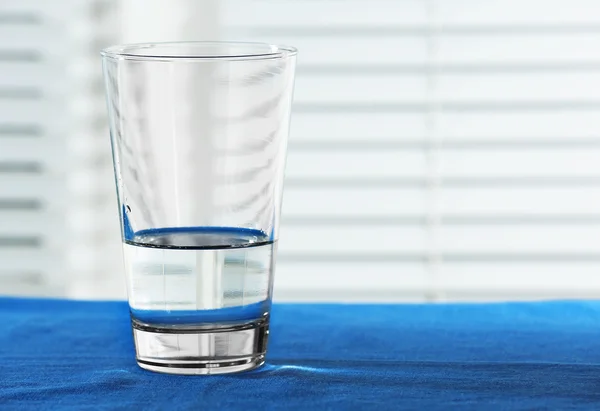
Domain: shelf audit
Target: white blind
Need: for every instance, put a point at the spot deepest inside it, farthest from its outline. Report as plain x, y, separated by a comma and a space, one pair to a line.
58, 221
94, 253
439, 149
33, 45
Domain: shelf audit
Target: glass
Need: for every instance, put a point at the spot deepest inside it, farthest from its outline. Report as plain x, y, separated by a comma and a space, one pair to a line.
199, 135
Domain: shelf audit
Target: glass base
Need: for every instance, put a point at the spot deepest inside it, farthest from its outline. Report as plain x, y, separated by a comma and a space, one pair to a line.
207, 349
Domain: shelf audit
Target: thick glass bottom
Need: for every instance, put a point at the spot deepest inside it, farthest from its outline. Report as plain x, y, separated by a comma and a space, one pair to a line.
206, 349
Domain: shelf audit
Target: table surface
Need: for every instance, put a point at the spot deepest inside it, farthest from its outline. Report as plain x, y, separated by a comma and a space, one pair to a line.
59, 354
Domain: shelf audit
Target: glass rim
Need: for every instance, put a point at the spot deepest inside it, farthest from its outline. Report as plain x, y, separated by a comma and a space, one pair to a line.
148, 51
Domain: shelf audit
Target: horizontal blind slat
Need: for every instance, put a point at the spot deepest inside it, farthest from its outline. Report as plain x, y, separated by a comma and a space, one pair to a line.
510, 12
539, 200
242, 13
551, 277
338, 127
344, 202
352, 164
360, 88
506, 48
401, 278
350, 240
541, 162
538, 125
519, 240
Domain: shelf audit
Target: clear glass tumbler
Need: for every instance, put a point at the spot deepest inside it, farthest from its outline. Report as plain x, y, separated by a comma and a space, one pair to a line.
199, 135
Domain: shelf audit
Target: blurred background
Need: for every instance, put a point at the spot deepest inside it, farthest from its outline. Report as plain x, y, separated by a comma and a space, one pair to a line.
440, 150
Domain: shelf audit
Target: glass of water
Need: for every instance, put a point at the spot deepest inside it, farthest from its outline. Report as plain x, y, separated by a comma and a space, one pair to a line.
199, 134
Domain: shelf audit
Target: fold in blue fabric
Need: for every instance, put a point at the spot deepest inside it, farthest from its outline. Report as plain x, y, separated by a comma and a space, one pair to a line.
66, 355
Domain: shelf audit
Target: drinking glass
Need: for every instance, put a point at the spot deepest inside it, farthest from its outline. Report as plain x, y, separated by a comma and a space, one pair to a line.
199, 135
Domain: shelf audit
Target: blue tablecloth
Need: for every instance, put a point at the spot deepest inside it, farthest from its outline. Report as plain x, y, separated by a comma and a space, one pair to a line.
79, 355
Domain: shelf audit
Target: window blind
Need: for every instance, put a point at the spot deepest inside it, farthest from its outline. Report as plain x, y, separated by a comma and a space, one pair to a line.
93, 253
439, 150
57, 216
32, 175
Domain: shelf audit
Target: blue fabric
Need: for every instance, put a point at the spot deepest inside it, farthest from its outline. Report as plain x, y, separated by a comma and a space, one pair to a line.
63, 355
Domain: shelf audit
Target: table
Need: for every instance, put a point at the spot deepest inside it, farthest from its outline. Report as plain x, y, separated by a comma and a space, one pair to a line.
59, 354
